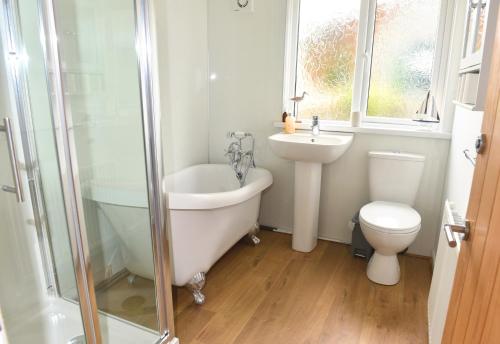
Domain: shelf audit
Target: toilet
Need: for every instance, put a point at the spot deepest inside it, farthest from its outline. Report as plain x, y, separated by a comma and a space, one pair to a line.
389, 223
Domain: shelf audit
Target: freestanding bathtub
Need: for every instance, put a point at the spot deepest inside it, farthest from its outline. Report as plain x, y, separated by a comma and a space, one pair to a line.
208, 213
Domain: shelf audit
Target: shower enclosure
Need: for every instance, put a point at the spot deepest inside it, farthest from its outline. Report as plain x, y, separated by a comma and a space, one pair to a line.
79, 150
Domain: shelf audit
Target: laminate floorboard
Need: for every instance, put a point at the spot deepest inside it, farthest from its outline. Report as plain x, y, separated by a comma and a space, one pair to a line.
271, 294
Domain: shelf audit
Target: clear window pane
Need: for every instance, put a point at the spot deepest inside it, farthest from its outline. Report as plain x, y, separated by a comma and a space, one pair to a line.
403, 55
326, 57
481, 6
97, 49
471, 24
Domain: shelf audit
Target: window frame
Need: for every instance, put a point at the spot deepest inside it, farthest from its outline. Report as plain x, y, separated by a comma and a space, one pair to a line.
362, 70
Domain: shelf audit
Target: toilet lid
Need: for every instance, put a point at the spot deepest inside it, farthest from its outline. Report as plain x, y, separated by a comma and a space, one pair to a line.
390, 217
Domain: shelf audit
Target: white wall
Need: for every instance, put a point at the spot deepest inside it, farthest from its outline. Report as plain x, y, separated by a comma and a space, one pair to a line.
181, 38
460, 171
246, 59
466, 128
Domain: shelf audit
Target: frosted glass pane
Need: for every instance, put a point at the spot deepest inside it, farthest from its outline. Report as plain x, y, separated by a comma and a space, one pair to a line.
403, 54
326, 57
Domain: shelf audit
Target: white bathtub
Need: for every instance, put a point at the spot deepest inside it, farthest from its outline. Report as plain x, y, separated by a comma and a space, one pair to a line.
125, 207
209, 213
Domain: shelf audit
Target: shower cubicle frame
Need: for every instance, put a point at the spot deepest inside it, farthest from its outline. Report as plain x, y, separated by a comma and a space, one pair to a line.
68, 166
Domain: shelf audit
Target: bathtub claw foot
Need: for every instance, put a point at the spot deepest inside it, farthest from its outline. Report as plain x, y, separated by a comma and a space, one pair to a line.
195, 285
131, 279
198, 296
253, 239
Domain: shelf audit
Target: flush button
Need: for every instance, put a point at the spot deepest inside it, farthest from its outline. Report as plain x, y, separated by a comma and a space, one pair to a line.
243, 5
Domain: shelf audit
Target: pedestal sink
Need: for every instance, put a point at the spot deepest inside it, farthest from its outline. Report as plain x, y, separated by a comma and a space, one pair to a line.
309, 153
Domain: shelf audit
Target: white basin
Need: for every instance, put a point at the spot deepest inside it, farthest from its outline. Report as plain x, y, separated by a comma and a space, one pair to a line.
323, 148
309, 153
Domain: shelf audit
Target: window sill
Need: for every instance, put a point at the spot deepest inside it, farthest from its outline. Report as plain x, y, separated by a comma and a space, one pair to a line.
378, 129
470, 107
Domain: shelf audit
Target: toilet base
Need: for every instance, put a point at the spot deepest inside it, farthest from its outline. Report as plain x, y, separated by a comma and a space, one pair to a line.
383, 269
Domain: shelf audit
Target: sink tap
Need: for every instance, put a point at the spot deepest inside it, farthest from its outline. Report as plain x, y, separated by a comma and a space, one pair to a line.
315, 126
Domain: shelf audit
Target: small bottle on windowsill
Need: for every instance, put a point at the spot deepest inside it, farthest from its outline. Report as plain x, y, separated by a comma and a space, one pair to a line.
355, 118
290, 124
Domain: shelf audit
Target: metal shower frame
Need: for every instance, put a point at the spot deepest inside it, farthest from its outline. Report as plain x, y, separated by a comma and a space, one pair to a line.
68, 166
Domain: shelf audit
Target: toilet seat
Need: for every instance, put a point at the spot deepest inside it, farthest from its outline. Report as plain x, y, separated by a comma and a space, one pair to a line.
390, 217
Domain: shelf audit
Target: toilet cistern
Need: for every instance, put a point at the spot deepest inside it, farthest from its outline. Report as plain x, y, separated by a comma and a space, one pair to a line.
309, 153
389, 223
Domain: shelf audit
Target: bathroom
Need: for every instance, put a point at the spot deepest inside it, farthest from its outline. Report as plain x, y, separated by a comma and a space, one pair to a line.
154, 191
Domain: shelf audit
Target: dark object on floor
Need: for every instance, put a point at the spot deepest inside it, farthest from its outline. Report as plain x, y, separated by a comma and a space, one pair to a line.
360, 246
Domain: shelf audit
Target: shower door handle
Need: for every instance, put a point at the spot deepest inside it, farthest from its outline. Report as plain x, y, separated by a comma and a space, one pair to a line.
17, 188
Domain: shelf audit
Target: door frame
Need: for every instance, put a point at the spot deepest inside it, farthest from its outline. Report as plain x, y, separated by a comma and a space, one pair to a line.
463, 300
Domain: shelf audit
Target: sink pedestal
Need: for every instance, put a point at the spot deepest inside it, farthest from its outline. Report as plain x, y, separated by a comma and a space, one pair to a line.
309, 153
306, 205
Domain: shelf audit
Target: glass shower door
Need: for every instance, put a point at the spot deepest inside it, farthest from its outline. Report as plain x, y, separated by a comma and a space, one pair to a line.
31, 313
101, 120
31, 310
84, 133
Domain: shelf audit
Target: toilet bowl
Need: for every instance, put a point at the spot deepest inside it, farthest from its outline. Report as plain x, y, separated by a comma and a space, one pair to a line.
390, 228
389, 223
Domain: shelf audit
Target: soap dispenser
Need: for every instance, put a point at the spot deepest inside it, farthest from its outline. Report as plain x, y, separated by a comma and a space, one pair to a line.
290, 124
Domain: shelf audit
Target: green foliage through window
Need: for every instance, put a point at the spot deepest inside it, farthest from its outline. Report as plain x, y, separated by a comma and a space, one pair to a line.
401, 63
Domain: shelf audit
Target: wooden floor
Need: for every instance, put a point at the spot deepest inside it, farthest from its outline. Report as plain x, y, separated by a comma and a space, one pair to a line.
271, 294
132, 302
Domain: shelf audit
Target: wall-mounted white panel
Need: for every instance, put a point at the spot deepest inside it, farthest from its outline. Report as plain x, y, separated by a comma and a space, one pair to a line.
181, 39
466, 128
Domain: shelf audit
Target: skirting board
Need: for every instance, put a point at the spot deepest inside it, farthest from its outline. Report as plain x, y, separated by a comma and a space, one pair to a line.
285, 231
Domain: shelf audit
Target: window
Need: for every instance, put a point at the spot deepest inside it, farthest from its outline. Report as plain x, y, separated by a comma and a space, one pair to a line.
373, 56
325, 57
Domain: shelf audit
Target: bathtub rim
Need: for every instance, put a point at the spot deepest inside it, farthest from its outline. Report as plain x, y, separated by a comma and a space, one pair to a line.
133, 197
214, 200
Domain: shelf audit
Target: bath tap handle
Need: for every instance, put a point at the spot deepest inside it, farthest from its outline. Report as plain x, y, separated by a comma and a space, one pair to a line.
238, 134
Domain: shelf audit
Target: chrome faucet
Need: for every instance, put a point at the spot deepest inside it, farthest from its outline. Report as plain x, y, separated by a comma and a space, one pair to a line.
315, 126
240, 160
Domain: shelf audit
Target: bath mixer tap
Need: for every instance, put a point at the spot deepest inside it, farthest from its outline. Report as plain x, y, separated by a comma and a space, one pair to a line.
315, 126
240, 160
